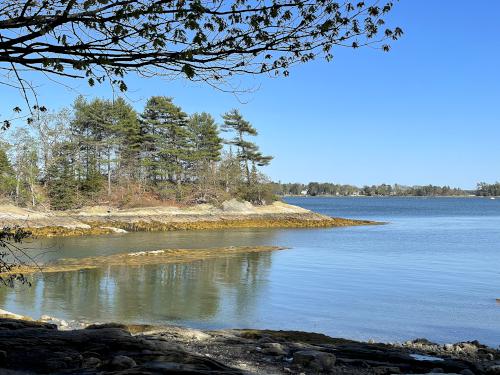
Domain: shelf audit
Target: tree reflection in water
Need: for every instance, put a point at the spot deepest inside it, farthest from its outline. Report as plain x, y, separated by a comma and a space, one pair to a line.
202, 292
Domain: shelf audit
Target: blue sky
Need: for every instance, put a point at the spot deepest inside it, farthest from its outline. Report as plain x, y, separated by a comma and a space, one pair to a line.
427, 112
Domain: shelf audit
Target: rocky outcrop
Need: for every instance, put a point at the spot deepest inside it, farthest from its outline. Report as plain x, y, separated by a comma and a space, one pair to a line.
39, 348
142, 258
28, 347
232, 214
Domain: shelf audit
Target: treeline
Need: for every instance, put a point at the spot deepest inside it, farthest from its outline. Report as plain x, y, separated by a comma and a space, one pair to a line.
488, 190
316, 188
103, 151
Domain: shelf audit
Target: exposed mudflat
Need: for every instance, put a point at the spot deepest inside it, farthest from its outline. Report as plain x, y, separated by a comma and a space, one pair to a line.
232, 214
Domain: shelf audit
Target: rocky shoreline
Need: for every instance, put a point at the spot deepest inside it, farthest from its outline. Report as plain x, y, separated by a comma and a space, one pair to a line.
42, 347
105, 220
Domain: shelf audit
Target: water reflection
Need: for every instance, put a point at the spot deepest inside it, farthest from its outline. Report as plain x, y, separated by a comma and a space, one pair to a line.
432, 272
79, 247
155, 293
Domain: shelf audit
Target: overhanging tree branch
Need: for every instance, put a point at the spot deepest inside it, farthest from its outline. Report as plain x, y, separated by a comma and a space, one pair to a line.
209, 41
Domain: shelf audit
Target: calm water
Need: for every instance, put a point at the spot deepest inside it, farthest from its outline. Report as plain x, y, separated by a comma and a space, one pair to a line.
433, 271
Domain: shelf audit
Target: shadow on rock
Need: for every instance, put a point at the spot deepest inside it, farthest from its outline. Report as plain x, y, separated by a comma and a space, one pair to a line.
32, 347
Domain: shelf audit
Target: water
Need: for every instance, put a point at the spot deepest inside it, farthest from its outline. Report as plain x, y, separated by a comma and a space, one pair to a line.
433, 271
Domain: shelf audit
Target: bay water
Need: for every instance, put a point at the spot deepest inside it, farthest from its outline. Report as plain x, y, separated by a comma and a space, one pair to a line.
433, 270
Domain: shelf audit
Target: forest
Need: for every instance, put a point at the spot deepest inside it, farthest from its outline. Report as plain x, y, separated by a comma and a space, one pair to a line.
488, 190
103, 151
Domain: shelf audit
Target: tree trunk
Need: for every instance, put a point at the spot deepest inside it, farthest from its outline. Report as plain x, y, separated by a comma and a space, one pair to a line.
18, 182
109, 180
247, 169
32, 195
109, 173
243, 153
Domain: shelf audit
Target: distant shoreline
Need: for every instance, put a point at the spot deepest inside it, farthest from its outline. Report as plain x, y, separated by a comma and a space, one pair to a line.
389, 196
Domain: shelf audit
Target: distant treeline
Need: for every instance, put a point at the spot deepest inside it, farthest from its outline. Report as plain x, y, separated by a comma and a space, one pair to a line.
326, 188
488, 190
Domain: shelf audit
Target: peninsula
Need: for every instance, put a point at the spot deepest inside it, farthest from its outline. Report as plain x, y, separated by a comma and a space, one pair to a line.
104, 220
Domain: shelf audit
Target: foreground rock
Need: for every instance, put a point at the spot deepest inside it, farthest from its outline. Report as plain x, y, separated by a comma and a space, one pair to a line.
28, 347
232, 214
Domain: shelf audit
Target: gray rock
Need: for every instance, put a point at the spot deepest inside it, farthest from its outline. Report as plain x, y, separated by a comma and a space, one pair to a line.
55, 364
167, 366
489, 356
107, 325
122, 362
468, 347
274, 348
466, 372
91, 362
115, 230
493, 370
386, 370
266, 339
234, 205
314, 359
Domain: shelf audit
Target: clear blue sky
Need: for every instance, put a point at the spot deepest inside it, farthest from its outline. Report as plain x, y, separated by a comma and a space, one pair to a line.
427, 112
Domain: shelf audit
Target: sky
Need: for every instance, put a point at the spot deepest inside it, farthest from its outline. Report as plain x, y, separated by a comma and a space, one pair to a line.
428, 112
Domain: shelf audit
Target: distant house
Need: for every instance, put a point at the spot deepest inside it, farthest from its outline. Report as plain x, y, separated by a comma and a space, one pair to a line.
303, 192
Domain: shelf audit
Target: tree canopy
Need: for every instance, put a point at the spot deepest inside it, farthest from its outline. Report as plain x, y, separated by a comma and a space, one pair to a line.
104, 152
103, 40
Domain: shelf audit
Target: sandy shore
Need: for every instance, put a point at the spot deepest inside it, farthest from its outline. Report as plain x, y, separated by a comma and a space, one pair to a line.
232, 214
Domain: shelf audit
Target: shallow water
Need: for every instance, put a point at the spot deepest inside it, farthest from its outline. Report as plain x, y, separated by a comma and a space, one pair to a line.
433, 271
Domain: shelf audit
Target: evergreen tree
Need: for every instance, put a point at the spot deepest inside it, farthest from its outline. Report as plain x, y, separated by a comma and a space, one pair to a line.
62, 187
128, 132
92, 131
7, 175
205, 135
207, 146
161, 154
248, 152
166, 139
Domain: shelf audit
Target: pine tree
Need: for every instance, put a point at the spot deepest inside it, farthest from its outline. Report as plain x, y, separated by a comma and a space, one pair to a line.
248, 152
205, 137
166, 139
7, 175
207, 146
162, 153
128, 133
92, 130
62, 187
